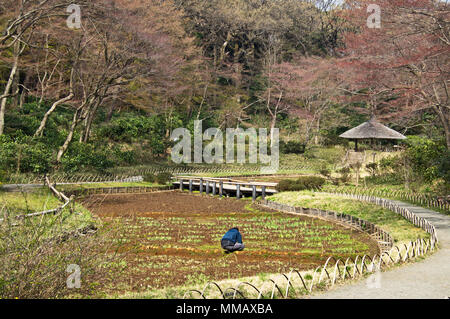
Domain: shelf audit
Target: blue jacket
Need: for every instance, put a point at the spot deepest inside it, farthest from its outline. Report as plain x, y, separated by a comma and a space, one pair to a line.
233, 235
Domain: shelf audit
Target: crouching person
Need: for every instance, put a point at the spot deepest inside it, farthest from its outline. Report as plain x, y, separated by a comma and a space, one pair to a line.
232, 240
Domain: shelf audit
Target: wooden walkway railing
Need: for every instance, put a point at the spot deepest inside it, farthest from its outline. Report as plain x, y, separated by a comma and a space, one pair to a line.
221, 186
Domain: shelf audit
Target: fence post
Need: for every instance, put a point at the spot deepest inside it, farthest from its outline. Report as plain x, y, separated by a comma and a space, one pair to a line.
263, 192
214, 188
190, 186
221, 188
201, 185
254, 193
238, 191
207, 187
181, 184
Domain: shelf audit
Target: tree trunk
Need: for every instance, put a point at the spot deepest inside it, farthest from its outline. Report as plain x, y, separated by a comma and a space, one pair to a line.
41, 128
89, 120
357, 177
316, 138
447, 137
237, 52
22, 99
272, 127
110, 112
75, 121
8, 86
443, 118
16, 89
214, 77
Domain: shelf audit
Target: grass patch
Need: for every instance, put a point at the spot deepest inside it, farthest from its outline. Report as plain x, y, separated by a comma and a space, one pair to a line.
400, 229
39, 200
35, 252
387, 191
16, 203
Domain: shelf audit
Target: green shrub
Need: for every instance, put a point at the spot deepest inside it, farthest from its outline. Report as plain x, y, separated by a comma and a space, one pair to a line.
312, 182
372, 168
388, 178
302, 183
424, 160
429, 158
24, 155
345, 174
86, 156
292, 147
3, 176
298, 185
325, 171
163, 178
444, 167
285, 185
149, 178
124, 158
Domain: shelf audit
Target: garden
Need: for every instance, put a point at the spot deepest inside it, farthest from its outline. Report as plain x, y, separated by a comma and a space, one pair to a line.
172, 239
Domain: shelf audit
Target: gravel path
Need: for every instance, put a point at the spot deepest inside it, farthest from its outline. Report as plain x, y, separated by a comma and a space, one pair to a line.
429, 278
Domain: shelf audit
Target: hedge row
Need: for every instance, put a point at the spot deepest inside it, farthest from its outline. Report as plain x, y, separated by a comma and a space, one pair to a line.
302, 183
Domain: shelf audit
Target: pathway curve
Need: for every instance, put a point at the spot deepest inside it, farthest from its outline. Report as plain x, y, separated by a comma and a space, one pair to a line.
429, 278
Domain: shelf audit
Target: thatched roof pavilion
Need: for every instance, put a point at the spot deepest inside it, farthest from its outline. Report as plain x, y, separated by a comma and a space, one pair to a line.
371, 129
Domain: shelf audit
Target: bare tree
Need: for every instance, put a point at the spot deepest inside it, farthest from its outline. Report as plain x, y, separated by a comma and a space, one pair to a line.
96, 78
18, 49
55, 104
23, 16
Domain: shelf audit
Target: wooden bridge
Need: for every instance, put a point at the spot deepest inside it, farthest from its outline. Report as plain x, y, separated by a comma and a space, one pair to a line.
225, 186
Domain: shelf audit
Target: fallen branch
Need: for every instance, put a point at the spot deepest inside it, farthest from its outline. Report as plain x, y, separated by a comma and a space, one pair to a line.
66, 201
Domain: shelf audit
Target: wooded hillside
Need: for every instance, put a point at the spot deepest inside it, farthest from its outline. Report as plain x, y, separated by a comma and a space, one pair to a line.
110, 92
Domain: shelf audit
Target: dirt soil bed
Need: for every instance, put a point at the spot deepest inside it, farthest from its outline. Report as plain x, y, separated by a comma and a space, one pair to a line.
173, 238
